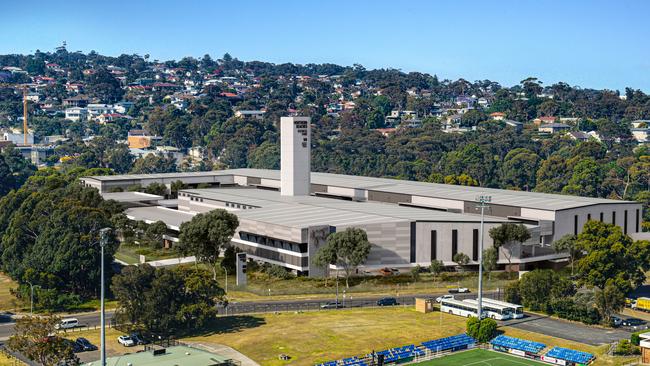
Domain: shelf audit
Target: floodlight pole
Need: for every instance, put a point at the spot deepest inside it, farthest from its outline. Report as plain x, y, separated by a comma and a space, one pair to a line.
483, 201
103, 240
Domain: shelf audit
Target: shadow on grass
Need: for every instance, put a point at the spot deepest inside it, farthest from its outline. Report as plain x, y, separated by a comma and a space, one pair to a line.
228, 324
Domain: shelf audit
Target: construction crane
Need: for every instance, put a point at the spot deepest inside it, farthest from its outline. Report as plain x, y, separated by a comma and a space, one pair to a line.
25, 89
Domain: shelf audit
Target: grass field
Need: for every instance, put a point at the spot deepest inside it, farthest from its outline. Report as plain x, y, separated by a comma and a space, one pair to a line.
480, 357
6, 361
7, 300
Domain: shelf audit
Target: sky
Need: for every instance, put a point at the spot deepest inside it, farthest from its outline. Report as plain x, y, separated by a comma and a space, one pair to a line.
591, 44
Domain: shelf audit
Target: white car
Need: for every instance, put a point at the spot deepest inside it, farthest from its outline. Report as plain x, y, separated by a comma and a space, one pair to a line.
67, 323
444, 297
126, 341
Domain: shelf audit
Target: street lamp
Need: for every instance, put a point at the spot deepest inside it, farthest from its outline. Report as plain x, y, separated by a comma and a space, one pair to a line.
103, 240
31, 297
483, 201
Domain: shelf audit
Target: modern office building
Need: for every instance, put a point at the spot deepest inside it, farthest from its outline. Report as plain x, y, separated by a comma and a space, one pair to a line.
285, 216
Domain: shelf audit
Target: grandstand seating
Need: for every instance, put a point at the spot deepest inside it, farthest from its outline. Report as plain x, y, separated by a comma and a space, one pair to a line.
570, 355
453, 343
518, 344
398, 354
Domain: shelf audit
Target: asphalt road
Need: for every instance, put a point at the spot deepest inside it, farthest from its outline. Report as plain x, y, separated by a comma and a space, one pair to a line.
568, 330
85, 319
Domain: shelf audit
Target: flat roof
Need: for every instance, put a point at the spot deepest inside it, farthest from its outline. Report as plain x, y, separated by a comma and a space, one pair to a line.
534, 200
305, 211
130, 196
172, 218
174, 356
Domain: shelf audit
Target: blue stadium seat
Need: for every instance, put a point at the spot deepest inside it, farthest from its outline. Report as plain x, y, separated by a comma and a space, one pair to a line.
453, 343
518, 344
570, 355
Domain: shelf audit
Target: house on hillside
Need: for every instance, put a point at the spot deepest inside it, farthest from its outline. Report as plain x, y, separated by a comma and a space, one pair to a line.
498, 116
251, 114
553, 128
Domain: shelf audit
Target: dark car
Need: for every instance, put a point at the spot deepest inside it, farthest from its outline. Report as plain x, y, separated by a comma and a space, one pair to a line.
387, 301
85, 344
138, 339
632, 322
5, 318
74, 345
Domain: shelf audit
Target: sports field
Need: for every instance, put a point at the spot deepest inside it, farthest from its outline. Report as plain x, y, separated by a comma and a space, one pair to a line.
480, 357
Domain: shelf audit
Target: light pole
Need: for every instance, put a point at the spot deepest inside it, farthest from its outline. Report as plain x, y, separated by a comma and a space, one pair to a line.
31, 298
482, 200
103, 240
226, 271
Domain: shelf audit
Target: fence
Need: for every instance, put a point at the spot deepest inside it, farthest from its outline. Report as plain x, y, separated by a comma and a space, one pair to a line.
318, 305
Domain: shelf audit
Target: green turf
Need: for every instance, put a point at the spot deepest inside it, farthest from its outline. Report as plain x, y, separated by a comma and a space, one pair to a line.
480, 357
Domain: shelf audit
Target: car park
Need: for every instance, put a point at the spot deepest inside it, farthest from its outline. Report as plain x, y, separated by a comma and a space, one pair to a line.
126, 341
85, 345
387, 301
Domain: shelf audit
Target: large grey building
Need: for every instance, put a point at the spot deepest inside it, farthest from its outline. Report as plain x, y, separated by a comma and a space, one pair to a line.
285, 217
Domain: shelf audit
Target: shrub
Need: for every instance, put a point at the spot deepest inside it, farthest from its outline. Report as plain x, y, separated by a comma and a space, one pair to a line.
567, 308
415, 273
512, 294
278, 272
626, 348
635, 339
483, 331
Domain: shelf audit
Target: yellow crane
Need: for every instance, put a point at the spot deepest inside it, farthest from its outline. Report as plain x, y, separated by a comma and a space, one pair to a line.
25, 89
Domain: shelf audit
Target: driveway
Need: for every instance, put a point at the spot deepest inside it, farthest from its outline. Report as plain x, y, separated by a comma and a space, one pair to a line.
572, 331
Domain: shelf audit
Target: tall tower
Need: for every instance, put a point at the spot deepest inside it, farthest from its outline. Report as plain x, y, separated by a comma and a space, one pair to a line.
295, 156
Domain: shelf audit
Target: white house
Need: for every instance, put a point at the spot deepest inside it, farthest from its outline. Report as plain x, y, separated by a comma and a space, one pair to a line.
76, 114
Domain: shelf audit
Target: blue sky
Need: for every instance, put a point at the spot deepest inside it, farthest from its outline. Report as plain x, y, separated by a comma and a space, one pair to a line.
595, 44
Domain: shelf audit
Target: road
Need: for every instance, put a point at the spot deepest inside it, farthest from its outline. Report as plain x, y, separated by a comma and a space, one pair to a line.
572, 331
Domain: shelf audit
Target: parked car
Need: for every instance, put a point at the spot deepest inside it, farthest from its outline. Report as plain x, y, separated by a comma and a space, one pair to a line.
632, 322
67, 323
459, 290
332, 305
444, 297
85, 344
616, 321
387, 301
386, 272
138, 339
76, 348
6, 317
126, 341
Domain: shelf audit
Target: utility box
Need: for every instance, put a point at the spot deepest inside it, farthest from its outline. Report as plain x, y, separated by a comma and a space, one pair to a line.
241, 269
424, 305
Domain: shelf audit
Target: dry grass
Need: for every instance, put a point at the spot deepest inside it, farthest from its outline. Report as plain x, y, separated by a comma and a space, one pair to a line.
313, 337
7, 300
7, 361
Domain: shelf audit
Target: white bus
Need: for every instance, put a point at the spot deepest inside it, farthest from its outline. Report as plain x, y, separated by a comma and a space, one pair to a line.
470, 308
493, 311
517, 311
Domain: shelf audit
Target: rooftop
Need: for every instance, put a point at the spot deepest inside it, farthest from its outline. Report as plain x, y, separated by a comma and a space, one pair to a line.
173, 356
535, 200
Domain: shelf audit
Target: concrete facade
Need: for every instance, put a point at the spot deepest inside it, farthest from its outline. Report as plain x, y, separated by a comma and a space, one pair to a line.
295, 155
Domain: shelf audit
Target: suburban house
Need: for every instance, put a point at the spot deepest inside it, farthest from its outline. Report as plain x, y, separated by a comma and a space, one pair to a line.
553, 128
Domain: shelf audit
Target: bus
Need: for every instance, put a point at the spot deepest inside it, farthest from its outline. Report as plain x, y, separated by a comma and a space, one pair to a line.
470, 308
517, 311
493, 311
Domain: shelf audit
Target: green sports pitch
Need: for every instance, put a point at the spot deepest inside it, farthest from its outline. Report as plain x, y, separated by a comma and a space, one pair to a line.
480, 357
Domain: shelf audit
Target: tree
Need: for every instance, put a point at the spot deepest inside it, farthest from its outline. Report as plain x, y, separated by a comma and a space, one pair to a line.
436, 267
461, 259
166, 301
347, 249
538, 288
120, 159
490, 258
482, 330
609, 300
206, 235
229, 261
567, 244
415, 273
505, 235
153, 163
154, 233
105, 87
612, 256
14, 170
32, 337
519, 168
